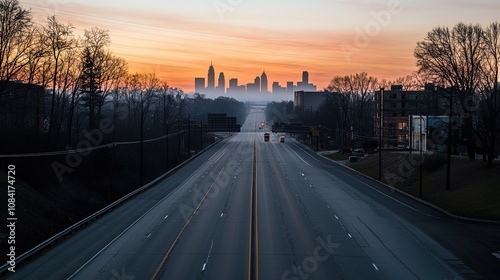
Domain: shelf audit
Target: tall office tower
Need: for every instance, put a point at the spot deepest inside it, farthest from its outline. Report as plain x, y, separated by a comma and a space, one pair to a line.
257, 84
211, 77
305, 78
221, 85
263, 82
199, 84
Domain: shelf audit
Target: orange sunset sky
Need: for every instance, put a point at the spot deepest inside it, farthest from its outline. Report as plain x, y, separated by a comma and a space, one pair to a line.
177, 39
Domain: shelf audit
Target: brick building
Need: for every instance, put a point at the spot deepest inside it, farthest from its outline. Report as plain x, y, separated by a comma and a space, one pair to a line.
397, 107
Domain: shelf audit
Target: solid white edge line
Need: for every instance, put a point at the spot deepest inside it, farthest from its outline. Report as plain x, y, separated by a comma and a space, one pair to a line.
402, 203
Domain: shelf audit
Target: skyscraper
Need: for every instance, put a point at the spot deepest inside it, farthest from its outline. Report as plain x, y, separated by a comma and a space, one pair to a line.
263, 82
257, 85
211, 77
221, 85
305, 77
304, 84
199, 85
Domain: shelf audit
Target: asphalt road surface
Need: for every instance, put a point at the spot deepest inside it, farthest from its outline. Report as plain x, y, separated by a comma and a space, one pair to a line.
249, 209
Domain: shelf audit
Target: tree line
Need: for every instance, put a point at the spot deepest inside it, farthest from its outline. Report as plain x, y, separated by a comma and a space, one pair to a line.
463, 60
86, 83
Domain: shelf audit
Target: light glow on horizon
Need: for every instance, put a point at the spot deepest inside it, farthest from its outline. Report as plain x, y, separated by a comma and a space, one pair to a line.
178, 39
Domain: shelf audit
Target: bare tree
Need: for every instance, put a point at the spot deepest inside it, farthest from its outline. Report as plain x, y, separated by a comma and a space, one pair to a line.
408, 82
35, 56
114, 69
57, 38
74, 72
16, 33
356, 93
490, 109
455, 57
168, 105
365, 87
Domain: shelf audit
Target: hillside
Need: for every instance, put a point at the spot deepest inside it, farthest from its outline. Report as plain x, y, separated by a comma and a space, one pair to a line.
475, 188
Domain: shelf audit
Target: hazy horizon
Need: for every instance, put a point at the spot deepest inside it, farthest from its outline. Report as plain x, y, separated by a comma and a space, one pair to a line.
178, 40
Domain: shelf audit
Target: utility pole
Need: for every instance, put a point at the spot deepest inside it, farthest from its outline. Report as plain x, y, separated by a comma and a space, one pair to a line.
201, 135
411, 132
317, 130
141, 151
381, 96
448, 157
168, 140
189, 135
421, 158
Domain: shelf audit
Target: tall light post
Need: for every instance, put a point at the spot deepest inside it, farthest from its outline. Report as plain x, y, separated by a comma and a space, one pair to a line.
141, 156
381, 96
317, 130
189, 136
351, 110
448, 154
421, 158
201, 135
168, 140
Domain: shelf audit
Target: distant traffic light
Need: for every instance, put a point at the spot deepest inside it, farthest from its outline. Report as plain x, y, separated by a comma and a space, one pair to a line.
262, 124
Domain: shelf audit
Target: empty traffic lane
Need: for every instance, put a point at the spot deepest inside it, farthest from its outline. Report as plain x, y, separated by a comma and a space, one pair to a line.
312, 207
251, 209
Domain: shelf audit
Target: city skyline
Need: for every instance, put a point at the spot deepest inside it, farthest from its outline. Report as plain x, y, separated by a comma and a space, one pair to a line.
260, 85
327, 37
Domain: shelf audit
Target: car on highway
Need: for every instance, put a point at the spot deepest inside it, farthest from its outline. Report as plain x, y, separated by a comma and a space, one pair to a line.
282, 139
266, 137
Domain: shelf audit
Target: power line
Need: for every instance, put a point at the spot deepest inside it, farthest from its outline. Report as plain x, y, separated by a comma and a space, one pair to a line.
85, 150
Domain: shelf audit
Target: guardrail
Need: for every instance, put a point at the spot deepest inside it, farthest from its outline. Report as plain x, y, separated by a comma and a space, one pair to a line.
76, 226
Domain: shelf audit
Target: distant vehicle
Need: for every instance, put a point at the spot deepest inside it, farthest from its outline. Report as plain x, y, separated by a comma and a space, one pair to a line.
266, 137
282, 139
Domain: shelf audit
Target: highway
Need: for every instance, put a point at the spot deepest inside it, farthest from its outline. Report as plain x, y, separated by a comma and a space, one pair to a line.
249, 209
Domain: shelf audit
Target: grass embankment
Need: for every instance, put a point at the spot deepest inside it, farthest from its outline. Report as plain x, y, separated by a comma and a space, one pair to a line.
475, 188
